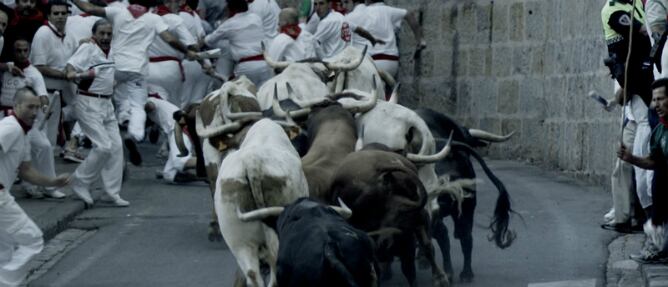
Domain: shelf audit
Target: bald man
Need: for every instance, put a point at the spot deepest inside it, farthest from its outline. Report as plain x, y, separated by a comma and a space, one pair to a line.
20, 238
293, 43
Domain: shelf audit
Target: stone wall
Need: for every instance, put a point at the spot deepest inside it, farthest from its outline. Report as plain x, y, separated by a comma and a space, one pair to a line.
518, 65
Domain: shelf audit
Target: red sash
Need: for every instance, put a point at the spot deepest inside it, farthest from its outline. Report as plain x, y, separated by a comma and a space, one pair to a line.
169, 58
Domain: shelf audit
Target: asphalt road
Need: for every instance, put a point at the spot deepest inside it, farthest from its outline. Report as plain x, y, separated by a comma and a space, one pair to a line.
161, 239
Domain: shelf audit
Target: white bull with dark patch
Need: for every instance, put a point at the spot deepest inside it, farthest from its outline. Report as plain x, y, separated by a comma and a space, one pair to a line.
265, 171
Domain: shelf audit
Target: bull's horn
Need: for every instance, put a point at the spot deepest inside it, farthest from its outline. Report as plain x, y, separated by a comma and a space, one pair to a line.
387, 78
342, 210
259, 214
487, 136
394, 98
205, 132
273, 64
417, 158
363, 106
385, 231
305, 110
241, 115
178, 138
346, 66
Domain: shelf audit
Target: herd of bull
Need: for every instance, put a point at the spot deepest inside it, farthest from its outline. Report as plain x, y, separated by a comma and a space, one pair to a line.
317, 160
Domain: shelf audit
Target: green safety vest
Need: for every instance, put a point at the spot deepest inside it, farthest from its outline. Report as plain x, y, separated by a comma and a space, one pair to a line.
611, 36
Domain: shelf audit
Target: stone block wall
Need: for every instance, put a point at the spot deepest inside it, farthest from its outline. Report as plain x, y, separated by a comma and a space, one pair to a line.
517, 65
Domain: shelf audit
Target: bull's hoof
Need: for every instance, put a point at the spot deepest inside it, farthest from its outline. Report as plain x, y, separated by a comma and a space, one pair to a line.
214, 234
466, 276
441, 281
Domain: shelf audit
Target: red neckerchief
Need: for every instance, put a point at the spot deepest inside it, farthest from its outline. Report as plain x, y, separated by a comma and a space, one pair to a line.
105, 51
337, 6
664, 121
23, 125
60, 35
23, 65
137, 10
187, 9
162, 10
155, 96
85, 15
291, 30
37, 17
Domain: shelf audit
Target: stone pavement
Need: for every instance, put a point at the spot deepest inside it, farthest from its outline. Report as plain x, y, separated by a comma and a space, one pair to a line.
54, 215
624, 272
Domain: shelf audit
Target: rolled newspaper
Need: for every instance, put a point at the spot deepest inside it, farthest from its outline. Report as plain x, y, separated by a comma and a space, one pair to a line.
209, 54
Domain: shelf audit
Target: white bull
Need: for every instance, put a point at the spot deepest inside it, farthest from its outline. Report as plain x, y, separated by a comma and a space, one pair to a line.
264, 172
307, 80
360, 78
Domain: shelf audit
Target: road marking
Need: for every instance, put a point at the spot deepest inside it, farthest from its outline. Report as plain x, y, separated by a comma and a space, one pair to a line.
571, 283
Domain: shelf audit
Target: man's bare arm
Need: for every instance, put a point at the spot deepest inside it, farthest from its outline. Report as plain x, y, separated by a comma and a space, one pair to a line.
51, 72
30, 174
416, 28
90, 8
366, 35
176, 44
648, 162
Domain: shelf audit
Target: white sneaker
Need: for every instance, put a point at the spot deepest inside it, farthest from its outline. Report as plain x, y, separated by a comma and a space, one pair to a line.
121, 202
81, 192
54, 193
610, 216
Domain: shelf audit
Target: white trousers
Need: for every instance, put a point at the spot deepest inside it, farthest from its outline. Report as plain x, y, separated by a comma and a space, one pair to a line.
130, 95
165, 79
175, 163
388, 66
20, 240
256, 71
622, 179
41, 150
196, 85
98, 123
641, 148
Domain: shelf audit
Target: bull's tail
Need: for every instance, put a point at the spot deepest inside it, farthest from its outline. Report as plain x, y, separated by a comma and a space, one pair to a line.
254, 178
415, 179
332, 260
501, 235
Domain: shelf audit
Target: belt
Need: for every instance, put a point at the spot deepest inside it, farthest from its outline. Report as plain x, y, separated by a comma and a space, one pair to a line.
385, 57
93, 95
169, 58
259, 57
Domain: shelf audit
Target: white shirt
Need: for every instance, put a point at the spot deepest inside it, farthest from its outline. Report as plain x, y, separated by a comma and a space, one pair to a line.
80, 27
332, 35
359, 18
90, 56
193, 23
163, 114
10, 84
284, 48
49, 49
14, 150
176, 26
132, 37
244, 31
384, 20
268, 11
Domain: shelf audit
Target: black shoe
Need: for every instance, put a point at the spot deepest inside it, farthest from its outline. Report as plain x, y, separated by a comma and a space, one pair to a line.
619, 227
185, 177
153, 135
135, 157
650, 257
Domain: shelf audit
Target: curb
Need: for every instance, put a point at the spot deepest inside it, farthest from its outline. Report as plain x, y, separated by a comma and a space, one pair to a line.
51, 215
624, 272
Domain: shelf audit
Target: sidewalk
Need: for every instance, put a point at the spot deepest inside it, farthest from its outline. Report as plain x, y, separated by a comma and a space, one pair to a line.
622, 271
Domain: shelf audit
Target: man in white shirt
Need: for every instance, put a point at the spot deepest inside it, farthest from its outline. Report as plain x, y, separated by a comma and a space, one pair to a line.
293, 43
334, 33
5, 15
20, 238
134, 30
357, 17
197, 83
243, 31
91, 65
165, 69
385, 20
268, 11
42, 150
51, 48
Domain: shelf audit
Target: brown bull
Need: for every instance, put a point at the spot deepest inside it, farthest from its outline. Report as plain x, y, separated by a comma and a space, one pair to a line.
384, 192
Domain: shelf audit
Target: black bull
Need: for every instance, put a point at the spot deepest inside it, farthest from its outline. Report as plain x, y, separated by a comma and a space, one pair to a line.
459, 166
319, 248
